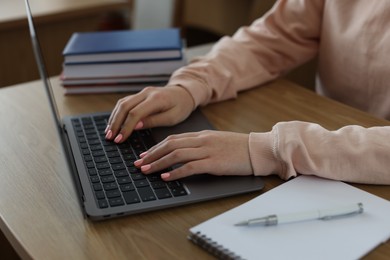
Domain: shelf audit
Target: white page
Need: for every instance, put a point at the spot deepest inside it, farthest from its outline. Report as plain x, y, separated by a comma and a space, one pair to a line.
344, 238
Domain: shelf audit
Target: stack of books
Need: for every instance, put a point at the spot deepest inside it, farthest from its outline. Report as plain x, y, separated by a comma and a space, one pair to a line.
120, 61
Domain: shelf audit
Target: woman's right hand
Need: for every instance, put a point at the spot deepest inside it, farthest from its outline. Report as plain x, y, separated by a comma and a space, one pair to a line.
152, 107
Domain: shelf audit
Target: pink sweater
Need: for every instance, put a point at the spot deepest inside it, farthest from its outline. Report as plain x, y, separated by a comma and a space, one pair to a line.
352, 41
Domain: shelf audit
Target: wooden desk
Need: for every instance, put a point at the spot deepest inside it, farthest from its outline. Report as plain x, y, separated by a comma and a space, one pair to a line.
55, 20
39, 211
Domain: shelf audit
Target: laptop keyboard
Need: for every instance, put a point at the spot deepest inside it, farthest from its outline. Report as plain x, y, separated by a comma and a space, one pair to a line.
112, 174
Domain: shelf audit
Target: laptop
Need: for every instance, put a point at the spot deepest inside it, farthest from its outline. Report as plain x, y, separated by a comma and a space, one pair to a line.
105, 178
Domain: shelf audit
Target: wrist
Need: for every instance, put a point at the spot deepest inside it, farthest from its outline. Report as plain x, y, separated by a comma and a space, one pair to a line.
197, 88
261, 153
186, 94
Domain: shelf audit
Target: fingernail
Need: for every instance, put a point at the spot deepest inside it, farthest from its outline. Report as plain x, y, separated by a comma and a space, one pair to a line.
145, 168
142, 155
107, 127
165, 175
138, 162
118, 138
139, 125
109, 134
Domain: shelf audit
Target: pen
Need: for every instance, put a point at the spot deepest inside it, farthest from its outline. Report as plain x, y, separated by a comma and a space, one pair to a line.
326, 214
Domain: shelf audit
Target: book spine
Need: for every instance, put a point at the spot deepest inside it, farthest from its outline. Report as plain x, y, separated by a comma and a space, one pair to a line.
212, 247
119, 61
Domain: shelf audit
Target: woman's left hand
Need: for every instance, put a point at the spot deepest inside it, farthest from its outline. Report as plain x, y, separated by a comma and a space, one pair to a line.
214, 152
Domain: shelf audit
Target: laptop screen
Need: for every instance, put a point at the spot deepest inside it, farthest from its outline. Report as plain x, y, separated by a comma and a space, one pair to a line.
42, 69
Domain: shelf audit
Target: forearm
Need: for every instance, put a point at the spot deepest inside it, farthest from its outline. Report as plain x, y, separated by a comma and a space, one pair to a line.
352, 153
284, 38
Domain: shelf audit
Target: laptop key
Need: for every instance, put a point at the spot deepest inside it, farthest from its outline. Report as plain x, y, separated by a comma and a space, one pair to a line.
91, 133
116, 202
98, 153
110, 186
137, 176
147, 138
86, 120
163, 193
158, 185
110, 148
146, 194
120, 174
102, 165
105, 172
131, 197
154, 177
174, 184
104, 141
141, 183
118, 166
107, 178
126, 151
100, 195
178, 191
89, 126
93, 141
92, 172
103, 203
102, 118
95, 179
124, 180
133, 169
84, 146
113, 194
78, 129
86, 151
129, 157
100, 159
87, 158
127, 187
97, 187
114, 160
82, 140
96, 147
129, 163
112, 154
90, 165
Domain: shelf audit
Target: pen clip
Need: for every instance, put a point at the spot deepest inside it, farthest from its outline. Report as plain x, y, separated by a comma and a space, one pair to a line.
331, 217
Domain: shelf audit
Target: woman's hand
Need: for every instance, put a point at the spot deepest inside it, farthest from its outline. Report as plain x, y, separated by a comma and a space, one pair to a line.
153, 106
215, 152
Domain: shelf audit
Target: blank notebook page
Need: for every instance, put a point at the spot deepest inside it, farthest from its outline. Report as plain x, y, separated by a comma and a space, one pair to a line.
343, 238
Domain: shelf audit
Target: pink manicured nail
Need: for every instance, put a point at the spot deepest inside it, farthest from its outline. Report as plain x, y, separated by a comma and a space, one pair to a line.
105, 131
138, 162
145, 168
142, 155
165, 175
139, 125
118, 138
109, 134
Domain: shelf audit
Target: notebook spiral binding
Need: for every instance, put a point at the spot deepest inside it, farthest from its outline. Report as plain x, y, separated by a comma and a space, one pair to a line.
212, 247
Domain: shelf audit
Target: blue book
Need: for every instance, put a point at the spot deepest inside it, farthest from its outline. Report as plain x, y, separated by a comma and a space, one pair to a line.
123, 46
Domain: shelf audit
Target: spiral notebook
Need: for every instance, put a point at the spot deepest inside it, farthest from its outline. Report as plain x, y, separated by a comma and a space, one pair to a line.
342, 238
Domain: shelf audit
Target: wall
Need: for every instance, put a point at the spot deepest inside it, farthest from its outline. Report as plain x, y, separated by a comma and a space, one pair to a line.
151, 14
54, 25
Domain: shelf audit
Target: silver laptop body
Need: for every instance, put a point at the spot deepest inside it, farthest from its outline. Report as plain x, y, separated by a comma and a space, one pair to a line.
196, 188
